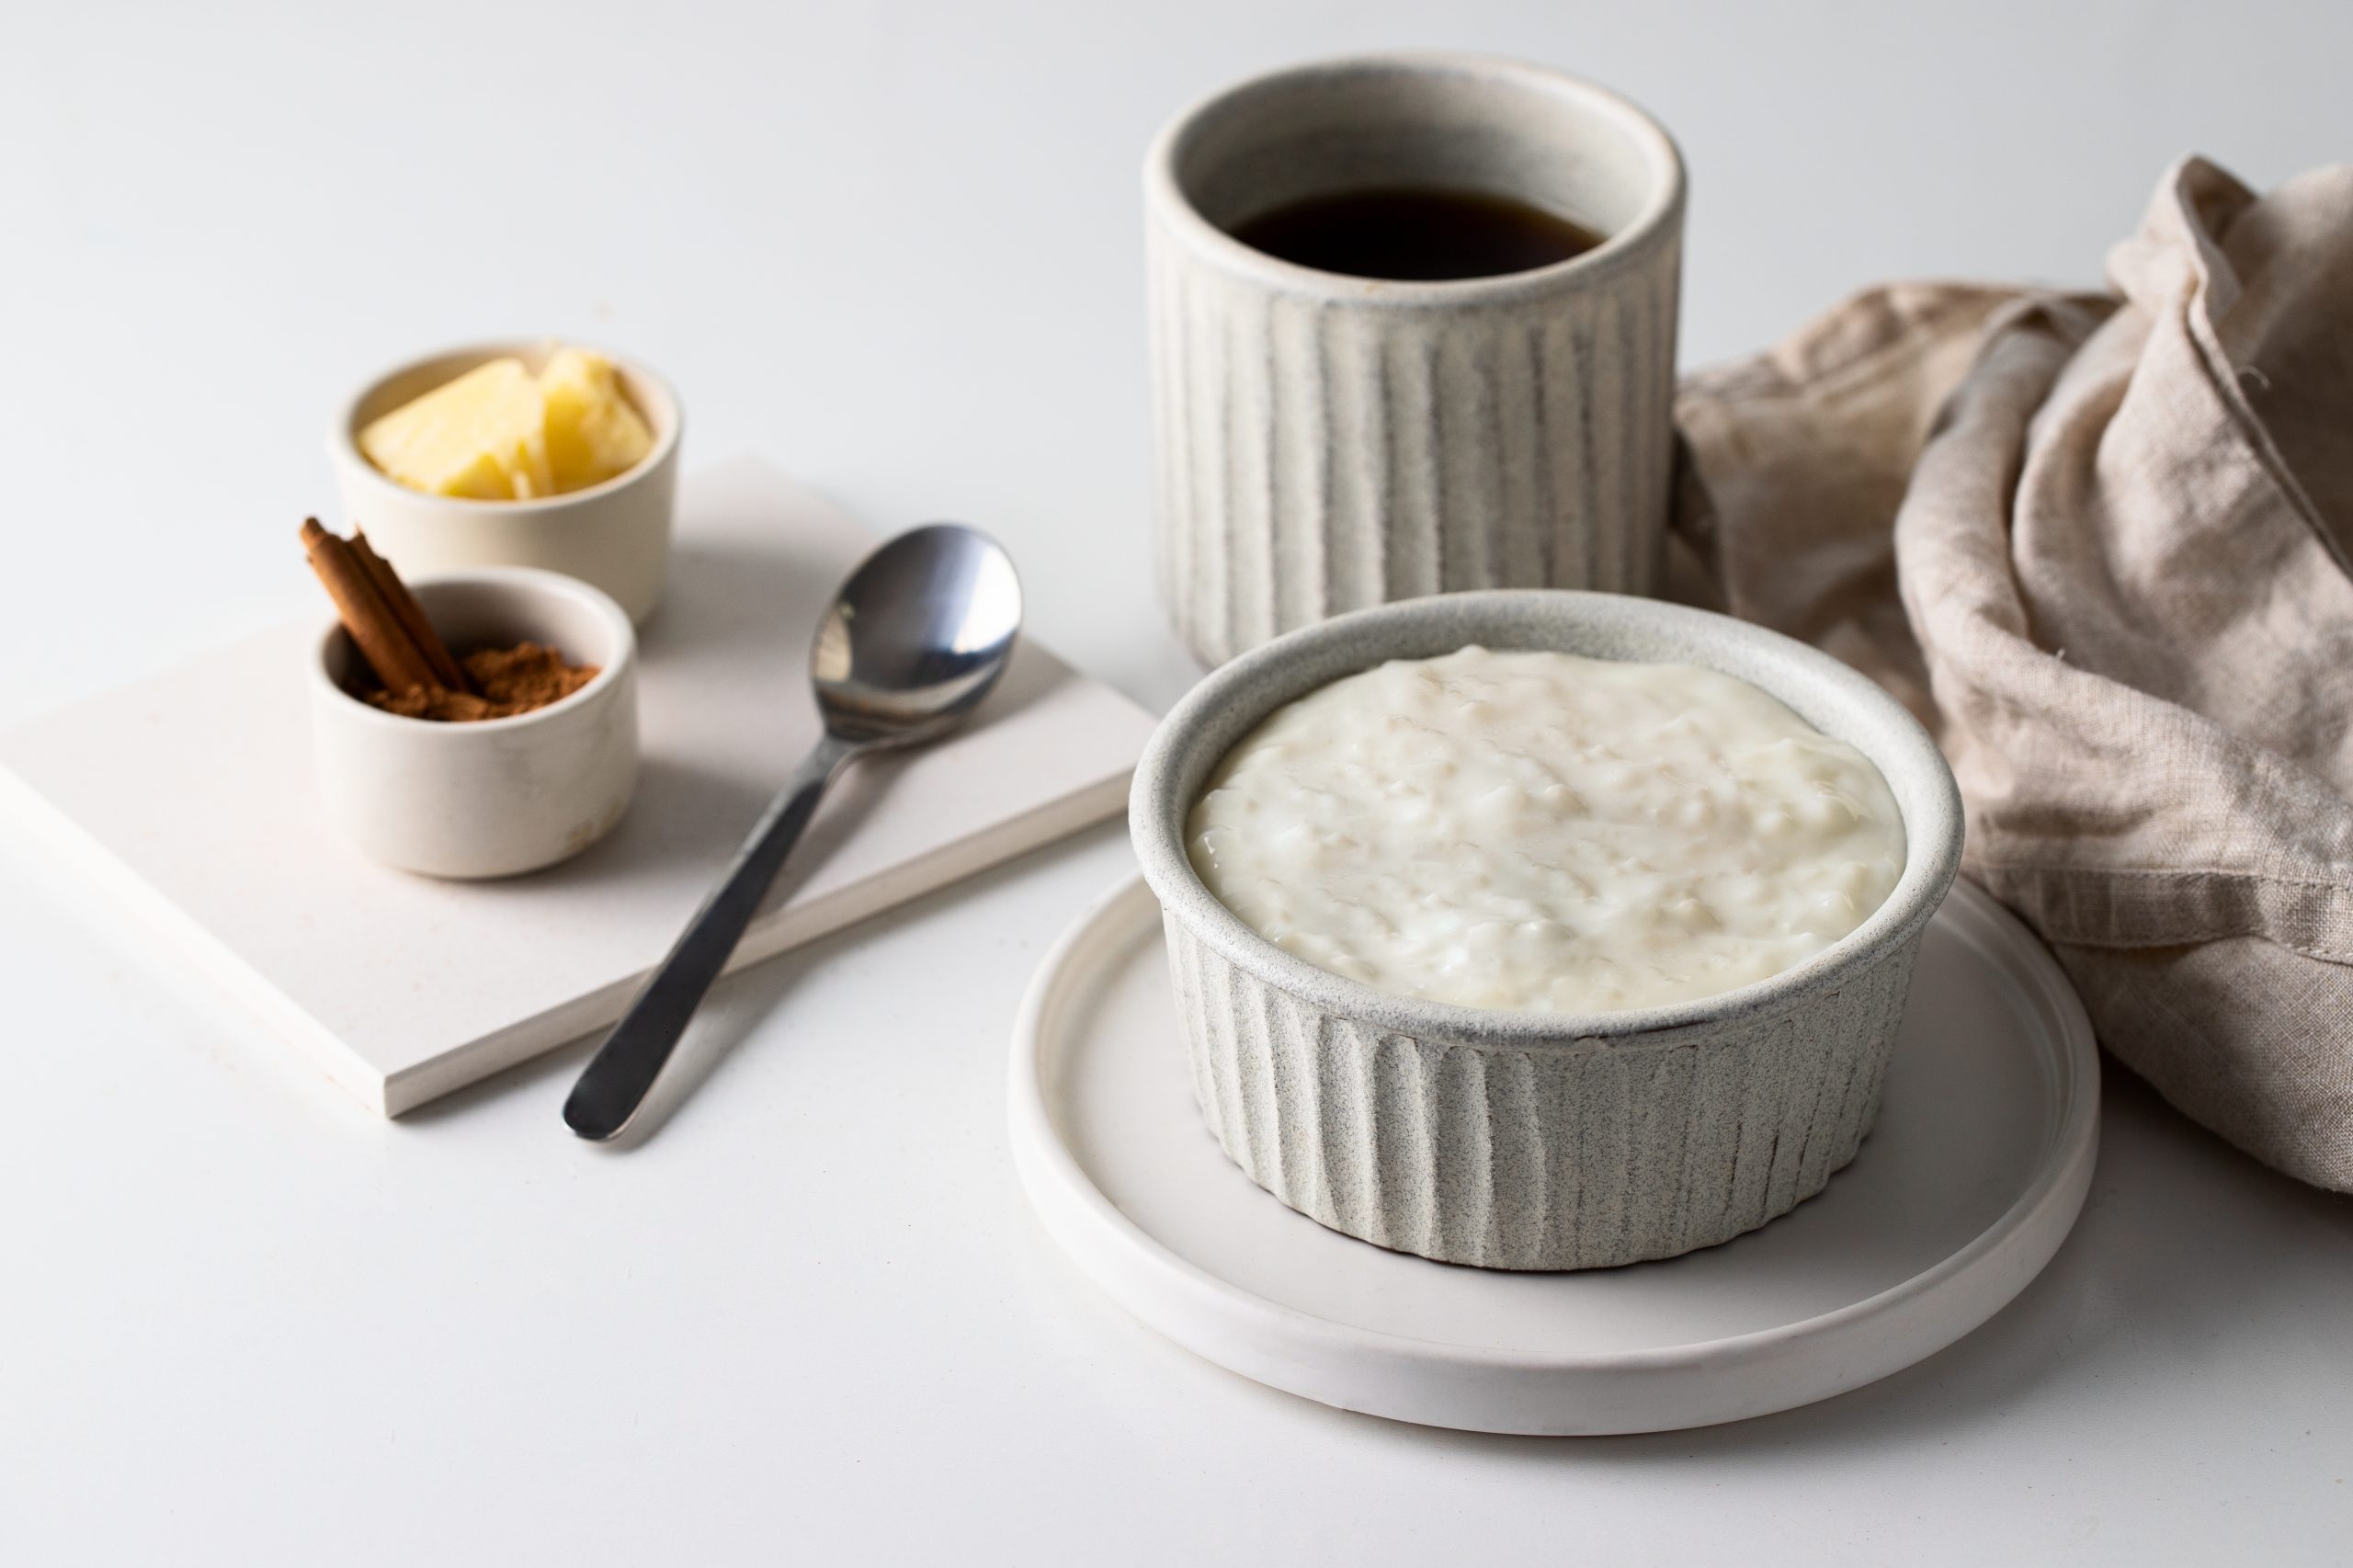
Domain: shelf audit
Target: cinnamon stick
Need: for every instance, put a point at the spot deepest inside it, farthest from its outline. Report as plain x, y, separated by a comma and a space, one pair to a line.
384, 641
411, 615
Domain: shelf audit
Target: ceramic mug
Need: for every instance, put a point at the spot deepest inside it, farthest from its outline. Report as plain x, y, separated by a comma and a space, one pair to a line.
1325, 442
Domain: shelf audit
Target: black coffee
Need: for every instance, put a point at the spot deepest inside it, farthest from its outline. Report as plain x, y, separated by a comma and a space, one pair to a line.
1416, 235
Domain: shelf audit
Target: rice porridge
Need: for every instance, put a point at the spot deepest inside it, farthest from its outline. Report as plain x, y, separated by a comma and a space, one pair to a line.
1547, 833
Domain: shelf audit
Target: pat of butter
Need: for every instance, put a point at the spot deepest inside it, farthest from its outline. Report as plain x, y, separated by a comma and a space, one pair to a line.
482, 436
499, 432
593, 432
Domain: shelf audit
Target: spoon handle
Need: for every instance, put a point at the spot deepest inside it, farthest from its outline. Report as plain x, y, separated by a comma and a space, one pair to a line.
615, 1081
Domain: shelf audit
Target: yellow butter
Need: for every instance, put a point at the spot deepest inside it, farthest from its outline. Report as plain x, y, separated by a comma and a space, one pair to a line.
593, 433
482, 436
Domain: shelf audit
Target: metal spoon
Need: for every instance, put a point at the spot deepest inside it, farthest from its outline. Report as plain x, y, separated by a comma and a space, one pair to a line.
915, 639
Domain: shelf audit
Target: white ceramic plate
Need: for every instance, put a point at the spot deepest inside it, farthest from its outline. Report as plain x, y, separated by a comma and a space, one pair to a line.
1968, 1185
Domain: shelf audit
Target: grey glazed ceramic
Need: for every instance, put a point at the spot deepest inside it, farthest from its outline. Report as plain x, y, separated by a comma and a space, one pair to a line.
1320, 442
1535, 1139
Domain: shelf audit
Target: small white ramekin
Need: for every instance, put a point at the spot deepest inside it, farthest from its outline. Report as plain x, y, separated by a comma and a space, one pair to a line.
1538, 1139
615, 535
501, 796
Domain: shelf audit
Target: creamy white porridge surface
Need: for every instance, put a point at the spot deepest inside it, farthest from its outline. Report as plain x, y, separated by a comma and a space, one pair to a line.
1542, 831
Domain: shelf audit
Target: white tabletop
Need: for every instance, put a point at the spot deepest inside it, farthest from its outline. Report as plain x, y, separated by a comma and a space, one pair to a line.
897, 250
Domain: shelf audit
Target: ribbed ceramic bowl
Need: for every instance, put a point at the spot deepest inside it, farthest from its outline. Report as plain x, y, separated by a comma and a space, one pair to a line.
1538, 1139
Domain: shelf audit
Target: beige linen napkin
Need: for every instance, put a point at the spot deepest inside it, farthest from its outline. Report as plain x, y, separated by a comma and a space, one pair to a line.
2100, 545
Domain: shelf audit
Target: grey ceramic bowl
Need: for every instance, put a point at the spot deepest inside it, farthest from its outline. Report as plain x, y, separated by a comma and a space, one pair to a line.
1538, 1139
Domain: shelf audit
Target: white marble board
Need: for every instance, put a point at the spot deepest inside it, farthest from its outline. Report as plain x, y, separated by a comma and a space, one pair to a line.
190, 794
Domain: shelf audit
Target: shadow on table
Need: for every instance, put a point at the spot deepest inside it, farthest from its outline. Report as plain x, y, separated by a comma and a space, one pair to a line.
737, 1005
734, 1008
2139, 1288
737, 1002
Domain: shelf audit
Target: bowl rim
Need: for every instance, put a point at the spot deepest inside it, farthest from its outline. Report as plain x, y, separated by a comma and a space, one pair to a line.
1658, 224
528, 580
343, 435
1156, 816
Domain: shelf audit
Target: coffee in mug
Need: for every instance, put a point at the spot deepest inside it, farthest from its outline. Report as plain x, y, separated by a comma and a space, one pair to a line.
1417, 236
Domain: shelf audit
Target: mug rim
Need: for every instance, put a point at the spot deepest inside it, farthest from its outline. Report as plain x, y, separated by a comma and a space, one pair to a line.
1655, 224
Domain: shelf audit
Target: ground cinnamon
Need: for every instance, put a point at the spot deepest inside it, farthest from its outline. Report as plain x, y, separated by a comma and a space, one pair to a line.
509, 680
418, 676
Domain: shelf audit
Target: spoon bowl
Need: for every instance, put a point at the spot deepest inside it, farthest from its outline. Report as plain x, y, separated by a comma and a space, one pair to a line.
915, 639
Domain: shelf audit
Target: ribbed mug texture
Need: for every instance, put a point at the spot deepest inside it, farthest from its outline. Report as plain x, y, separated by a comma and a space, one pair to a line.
1565, 1158
1536, 1140
1323, 443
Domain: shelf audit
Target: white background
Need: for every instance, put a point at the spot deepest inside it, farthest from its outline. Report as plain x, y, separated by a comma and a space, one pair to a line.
896, 248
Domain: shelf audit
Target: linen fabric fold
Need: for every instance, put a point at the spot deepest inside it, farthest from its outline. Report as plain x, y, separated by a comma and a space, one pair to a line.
2103, 546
